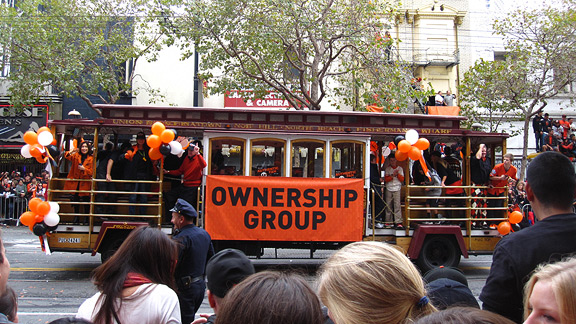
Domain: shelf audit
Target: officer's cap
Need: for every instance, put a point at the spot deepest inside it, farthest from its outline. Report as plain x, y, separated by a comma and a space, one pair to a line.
184, 208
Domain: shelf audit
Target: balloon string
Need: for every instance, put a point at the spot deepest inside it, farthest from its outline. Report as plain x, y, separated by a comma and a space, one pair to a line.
424, 166
45, 245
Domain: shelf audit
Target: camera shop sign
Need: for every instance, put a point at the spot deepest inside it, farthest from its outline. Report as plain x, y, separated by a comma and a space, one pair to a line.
235, 98
14, 122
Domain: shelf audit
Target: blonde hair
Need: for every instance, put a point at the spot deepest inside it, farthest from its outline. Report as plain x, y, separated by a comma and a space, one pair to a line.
562, 278
372, 282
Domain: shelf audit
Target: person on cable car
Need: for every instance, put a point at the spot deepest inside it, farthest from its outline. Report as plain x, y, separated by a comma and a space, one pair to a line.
139, 168
81, 168
394, 178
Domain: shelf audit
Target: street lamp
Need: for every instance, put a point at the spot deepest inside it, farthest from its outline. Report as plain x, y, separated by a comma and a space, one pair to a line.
477, 126
74, 114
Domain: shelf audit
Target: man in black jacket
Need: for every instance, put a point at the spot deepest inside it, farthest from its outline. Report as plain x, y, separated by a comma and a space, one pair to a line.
537, 127
550, 189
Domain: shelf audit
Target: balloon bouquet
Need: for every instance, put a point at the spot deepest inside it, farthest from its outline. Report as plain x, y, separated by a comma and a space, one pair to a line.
411, 146
162, 142
39, 145
42, 215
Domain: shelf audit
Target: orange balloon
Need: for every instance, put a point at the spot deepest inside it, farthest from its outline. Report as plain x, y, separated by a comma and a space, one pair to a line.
35, 150
31, 137
400, 156
158, 128
39, 218
43, 208
43, 129
504, 228
424, 166
27, 218
422, 144
154, 153
404, 146
42, 159
391, 146
167, 136
33, 205
154, 141
515, 217
54, 141
414, 153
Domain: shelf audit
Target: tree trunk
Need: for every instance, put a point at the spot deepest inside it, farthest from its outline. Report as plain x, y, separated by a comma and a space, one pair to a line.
525, 148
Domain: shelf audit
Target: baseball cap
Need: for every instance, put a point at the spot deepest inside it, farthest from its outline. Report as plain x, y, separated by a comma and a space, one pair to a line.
446, 272
447, 287
183, 207
445, 293
226, 269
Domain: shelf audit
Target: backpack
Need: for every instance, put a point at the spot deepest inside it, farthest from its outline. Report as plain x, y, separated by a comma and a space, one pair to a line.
434, 178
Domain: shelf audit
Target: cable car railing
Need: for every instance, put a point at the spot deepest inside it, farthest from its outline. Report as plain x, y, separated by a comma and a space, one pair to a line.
414, 205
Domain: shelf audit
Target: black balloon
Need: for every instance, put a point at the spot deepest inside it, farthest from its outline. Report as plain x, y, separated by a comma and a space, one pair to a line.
51, 228
398, 139
165, 149
39, 229
53, 150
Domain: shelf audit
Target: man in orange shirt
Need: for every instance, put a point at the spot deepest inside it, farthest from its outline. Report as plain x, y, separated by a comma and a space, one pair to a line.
565, 124
499, 182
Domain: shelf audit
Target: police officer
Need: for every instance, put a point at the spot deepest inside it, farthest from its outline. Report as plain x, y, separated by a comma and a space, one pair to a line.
195, 250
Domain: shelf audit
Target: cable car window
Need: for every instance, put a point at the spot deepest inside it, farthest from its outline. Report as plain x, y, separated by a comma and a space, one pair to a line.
308, 158
227, 156
267, 157
347, 160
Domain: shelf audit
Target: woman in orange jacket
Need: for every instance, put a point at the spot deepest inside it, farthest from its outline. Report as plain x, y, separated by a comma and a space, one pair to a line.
81, 168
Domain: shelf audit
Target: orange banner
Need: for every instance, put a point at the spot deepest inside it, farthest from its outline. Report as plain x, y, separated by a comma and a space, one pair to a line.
284, 209
444, 110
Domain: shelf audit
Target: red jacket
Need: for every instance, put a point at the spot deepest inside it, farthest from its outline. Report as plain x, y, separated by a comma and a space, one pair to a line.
191, 168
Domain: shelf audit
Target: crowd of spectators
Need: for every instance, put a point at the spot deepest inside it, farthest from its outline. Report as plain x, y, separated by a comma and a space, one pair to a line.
555, 135
18, 188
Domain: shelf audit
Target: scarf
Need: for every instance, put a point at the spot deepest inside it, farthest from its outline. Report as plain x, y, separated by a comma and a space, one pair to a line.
135, 279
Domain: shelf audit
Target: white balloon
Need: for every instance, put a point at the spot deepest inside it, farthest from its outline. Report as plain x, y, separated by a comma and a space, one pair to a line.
52, 219
412, 136
25, 151
386, 151
175, 147
45, 138
54, 207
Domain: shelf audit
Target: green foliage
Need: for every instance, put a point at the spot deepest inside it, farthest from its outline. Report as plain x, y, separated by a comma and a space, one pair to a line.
483, 94
304, 50
76, 47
